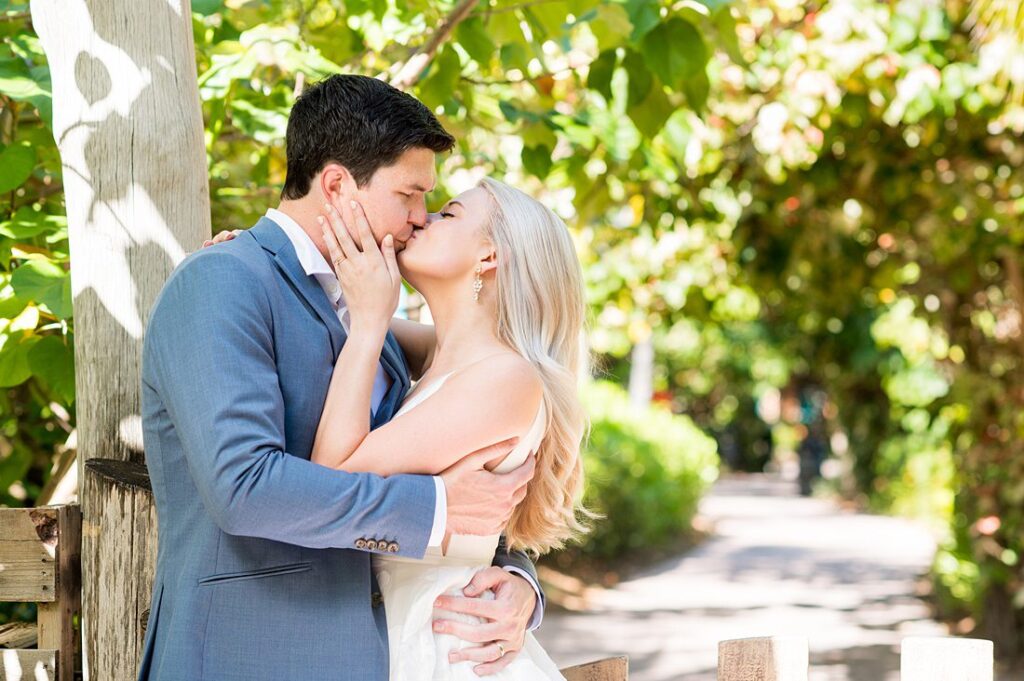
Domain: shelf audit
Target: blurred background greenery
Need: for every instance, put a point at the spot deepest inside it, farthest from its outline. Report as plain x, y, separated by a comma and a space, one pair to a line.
799, 222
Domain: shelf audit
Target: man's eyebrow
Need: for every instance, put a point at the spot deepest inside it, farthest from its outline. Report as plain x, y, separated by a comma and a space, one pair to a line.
420, 188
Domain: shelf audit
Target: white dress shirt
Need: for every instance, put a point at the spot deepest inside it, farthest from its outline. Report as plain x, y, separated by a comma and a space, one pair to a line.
314, 264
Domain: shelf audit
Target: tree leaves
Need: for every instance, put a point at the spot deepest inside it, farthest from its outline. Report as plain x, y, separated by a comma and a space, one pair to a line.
16, 165
472, 35
14, 364
599, 78
52, 360
675, 51
44, 282
442, 79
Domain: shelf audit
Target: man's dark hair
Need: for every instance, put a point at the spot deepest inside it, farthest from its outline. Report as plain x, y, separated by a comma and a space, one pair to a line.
360, 122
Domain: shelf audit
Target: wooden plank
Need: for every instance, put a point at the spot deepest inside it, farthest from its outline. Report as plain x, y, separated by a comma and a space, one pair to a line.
124, 533
946, 659
18, 635
775, 658
28, 548
56, 620
28, 665
610, 669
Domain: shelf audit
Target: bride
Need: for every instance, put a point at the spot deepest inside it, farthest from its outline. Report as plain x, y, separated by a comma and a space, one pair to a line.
503, 283
500, 275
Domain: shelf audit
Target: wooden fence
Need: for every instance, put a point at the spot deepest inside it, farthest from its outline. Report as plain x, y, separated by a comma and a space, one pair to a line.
40, 563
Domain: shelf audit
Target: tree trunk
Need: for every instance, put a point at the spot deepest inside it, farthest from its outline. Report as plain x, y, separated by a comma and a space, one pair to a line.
129, 128
641, 373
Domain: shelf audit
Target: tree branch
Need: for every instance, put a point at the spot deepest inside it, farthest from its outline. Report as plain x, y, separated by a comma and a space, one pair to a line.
409, 72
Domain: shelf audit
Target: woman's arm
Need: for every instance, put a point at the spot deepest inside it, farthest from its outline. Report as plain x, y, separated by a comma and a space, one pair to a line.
418, 342
345, 420
366, 276
492, 401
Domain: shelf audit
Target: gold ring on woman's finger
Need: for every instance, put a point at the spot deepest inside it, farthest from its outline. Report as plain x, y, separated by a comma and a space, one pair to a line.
501, 651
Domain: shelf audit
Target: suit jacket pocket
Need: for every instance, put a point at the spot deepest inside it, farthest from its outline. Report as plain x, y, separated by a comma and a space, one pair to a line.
258, 573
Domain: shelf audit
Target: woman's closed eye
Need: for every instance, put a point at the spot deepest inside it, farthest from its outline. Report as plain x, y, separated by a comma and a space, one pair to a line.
446, 214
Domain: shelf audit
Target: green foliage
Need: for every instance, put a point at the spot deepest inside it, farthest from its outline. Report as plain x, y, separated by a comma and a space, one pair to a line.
646, 470
36, 332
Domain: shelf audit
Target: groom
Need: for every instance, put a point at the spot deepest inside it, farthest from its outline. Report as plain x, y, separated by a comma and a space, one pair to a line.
263, 569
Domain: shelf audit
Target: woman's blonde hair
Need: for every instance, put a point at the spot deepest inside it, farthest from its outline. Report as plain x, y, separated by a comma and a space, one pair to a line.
541, 315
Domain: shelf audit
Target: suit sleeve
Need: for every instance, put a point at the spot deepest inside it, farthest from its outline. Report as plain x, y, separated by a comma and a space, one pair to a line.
212, 362
519, 563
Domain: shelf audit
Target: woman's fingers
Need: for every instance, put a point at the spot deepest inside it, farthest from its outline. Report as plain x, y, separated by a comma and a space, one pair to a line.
337, 256
344, 209
341, 233
362, 226
391, 259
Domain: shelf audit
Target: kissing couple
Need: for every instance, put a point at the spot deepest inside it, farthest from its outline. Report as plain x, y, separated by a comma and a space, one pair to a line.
317, 520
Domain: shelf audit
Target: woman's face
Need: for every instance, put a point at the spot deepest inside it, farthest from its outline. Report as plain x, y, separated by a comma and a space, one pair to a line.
451, 244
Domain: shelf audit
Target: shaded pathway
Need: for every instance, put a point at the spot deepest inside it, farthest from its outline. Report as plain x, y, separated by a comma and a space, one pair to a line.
777, 564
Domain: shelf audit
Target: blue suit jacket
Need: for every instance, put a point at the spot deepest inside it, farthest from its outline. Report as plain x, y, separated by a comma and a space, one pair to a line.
257, 576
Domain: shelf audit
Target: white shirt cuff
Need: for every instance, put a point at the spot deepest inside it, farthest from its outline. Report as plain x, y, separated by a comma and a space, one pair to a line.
538, 612
440, 513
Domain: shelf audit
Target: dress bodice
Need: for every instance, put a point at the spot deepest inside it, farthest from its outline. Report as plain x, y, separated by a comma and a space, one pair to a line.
472, 548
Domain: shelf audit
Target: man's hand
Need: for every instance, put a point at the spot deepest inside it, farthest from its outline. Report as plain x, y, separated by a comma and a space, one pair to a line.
481, 502
505, 602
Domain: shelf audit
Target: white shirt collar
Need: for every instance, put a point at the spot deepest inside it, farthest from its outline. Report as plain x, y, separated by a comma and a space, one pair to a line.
310, 257
312, 260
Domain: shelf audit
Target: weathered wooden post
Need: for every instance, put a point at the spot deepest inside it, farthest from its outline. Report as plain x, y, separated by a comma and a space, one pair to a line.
775, 658
129, 128
946, 659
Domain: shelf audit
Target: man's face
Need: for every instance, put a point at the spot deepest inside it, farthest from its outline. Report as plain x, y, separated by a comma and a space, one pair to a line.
395, 197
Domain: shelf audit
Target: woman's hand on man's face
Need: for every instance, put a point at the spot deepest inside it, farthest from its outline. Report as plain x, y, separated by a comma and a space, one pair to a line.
368, 274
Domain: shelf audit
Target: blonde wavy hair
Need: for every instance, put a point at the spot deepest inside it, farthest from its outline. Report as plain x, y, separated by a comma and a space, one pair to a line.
541, 315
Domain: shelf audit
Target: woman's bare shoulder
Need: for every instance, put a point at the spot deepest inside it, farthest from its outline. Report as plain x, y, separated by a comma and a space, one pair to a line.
507, 379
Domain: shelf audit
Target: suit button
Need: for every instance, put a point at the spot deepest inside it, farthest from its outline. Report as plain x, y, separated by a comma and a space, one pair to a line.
376, 599
360, 544
371, 545
393, 547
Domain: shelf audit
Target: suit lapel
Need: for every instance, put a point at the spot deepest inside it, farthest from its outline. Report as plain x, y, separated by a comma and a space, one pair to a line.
394, 365
273, 239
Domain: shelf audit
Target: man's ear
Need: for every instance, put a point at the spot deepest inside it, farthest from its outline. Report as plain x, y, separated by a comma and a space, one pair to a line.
336, 182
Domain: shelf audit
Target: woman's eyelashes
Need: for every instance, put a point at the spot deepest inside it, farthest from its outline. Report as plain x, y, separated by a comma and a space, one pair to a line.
446, 214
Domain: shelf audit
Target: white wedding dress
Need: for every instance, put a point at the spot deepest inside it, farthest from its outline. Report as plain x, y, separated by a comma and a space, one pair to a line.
410, 586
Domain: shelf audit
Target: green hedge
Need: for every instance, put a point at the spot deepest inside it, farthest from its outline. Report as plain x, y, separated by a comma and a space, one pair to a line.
646, 471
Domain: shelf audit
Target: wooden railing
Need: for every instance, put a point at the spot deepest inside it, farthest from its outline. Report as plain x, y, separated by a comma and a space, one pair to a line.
40, 563
922, 659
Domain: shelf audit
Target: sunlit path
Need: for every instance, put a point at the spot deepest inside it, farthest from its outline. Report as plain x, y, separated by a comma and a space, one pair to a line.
777, 564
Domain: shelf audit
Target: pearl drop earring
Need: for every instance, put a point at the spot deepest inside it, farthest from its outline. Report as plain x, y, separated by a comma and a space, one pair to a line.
478, 284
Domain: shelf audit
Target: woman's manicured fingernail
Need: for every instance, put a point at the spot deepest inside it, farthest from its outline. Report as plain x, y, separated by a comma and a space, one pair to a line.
320, 219
352, 203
